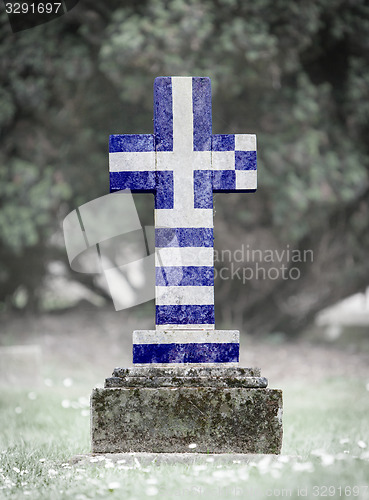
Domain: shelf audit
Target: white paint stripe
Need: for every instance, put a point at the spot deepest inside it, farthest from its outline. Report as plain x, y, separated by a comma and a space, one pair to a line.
169, 336
246, 179
184, 256
191, 327
187, 217
245, 142
129, 162
184, 295
199, 160
182, 114
223, 160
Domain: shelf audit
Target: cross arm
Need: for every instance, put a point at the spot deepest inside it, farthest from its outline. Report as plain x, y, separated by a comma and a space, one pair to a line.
234, 165
132, 162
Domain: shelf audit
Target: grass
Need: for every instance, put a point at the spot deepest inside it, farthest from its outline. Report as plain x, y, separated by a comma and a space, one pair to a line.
325, 451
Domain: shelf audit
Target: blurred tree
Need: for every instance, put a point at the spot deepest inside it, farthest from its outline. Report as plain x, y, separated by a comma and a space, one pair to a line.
296, 74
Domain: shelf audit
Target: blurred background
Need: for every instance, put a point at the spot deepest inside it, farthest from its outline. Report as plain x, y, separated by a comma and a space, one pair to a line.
294, 73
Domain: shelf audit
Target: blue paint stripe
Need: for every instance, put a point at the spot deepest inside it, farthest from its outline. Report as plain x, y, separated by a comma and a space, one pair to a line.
164, 197
224, 180
163, 113
184, 237
135, 181
185, 315
201, 98
186, 353
185, 276
223, 142
245, 160
203, 189
131, 143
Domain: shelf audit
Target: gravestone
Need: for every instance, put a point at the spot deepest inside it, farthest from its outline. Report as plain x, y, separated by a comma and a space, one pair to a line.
185, 387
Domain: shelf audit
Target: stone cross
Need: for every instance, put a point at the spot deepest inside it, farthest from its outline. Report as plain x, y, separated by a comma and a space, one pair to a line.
183, 164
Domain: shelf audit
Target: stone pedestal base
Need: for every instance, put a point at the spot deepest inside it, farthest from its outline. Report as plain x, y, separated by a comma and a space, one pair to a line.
165, 410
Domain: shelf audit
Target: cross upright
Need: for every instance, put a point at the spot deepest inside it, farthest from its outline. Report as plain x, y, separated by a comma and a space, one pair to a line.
183, 164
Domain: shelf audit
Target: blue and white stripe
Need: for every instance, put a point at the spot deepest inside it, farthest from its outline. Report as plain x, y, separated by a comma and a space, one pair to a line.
181, 346
182, 163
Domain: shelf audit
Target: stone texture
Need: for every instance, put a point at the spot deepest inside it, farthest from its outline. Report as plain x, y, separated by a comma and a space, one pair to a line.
169, 419
187, 377
251, 382
189, 371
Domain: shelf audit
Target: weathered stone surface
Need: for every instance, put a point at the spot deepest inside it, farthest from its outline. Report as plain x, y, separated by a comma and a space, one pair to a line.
186, 377
186, 371
157, 420
252, 382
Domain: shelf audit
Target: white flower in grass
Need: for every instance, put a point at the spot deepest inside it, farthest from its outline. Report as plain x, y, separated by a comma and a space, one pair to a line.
65, 403
199, 467
121, 461
85, 413
275, 473
42, 460
52, 472
84, 402
192, 446
243, 474
210, 459
94, 459
15, 469
361, 444
152, 491
264, 464
341, 456
367, 386
303, 467
318, 453
26, 492
18, 410
344, 440
32, 396
67, 382
109, 465
114, 485
152, 480
327, 460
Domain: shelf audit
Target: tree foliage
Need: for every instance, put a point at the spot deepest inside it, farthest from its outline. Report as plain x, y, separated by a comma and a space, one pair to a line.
294, 73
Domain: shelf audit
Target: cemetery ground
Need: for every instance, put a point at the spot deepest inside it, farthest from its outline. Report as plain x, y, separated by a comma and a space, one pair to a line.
43, 426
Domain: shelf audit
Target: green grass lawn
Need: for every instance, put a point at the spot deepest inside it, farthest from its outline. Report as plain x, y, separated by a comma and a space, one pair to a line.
325, 451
